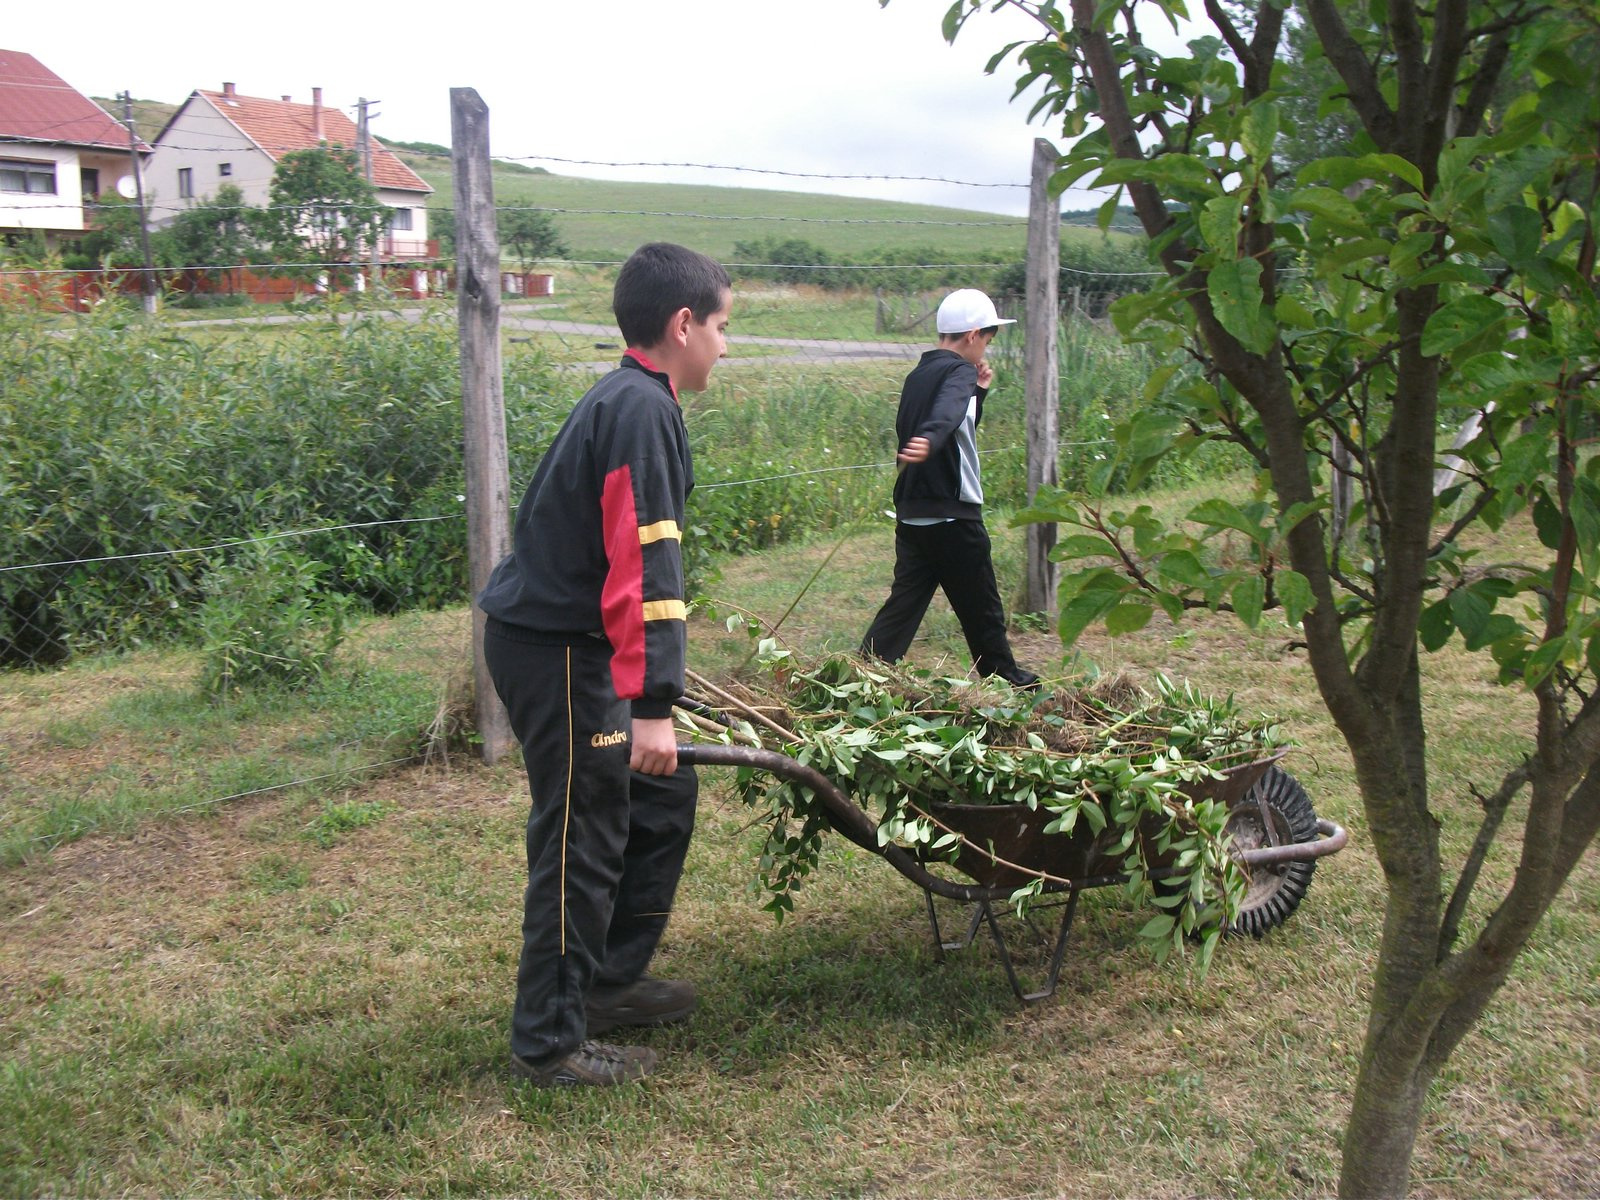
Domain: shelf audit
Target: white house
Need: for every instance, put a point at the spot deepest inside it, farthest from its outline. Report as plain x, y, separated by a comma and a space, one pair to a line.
217, 138
58, 151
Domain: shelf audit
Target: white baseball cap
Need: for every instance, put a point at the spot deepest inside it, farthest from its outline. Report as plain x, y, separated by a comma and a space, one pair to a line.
968, 309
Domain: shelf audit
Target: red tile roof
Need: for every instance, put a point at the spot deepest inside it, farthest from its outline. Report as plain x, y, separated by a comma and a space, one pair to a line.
38, 105
279, 126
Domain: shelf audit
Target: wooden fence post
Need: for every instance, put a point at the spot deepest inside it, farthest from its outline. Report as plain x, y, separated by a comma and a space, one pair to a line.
1041, 371
482, 387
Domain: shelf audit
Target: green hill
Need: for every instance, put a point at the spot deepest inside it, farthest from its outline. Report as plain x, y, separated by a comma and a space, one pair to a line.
149, 116
602, 220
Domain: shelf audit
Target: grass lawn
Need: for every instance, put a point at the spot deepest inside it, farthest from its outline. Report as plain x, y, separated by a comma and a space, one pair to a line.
305, 990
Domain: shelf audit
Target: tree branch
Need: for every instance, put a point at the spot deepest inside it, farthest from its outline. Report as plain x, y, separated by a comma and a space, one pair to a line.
1360, 81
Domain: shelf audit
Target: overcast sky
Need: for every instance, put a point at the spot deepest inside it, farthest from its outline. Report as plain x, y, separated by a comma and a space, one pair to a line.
825, 87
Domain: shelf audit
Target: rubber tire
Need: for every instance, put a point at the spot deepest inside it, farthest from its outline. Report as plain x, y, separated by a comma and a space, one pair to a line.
1275, 892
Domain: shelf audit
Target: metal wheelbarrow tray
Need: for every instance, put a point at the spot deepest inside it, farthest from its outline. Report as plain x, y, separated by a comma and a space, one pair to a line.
1277, 838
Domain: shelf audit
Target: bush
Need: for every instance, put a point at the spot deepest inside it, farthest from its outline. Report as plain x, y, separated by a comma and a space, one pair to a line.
918, 268
266, 618
136, 457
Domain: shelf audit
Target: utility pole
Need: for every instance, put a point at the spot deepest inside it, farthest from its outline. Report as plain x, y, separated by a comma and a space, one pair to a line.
364, 138
149, 282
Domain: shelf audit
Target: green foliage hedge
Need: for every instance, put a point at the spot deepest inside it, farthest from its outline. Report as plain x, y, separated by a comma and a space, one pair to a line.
137, 460
122, 440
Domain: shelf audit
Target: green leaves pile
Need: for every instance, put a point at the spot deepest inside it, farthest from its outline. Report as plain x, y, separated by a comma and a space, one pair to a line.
1107, 761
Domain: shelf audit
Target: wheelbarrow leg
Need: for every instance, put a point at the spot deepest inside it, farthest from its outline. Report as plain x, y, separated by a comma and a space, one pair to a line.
939, 944
1056, 957
982, 912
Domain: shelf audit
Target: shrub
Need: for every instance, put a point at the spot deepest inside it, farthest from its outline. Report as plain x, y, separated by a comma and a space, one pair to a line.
134, 456
266, 618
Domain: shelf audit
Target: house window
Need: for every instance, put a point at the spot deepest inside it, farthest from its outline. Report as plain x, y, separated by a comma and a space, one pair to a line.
399, 218
34, 178
225, 169
186, 182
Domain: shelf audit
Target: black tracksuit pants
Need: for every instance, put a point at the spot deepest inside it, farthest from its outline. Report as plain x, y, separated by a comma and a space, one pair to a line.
605, 845
955, 556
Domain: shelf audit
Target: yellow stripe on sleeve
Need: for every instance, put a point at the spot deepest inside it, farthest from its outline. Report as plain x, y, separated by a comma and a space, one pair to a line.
661, 531
665, 610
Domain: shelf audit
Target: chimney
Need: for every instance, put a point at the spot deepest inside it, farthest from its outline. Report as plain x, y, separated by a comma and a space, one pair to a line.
227, 90
286, 98
316, 114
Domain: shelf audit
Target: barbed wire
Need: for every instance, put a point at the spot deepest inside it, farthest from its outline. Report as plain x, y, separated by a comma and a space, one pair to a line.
830, 176
228, 211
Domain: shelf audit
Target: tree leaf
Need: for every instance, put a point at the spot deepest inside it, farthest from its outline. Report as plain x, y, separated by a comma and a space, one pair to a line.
1436, 625
1220, 512
1248, 596
1083, 612
1183, 568
1294, 591
1235, 291
1259, 131
1128, 617
1331, 206
1459, 322
1516, 232
1391, 164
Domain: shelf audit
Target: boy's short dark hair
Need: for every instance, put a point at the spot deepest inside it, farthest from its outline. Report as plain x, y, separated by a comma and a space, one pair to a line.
991, 330
658, 279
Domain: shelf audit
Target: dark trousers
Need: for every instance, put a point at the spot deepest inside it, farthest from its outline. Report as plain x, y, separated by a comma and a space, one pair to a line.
605, 845
955, 556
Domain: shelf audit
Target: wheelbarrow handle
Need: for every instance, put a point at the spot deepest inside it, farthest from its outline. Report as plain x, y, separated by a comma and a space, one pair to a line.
1330, 839
844, 815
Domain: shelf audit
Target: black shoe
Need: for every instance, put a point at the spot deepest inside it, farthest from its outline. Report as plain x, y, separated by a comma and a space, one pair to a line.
645, 1001
1019, 678
592, 1064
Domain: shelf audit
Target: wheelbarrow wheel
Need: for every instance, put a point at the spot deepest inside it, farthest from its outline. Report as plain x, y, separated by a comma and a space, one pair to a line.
1276, 811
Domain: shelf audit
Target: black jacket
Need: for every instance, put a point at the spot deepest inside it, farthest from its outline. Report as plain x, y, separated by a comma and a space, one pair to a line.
935, 402
595, 544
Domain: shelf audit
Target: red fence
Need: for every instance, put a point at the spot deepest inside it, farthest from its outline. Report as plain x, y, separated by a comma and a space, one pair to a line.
75, 291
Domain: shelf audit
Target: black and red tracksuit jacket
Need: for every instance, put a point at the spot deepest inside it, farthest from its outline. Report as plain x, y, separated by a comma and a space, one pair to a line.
595, 545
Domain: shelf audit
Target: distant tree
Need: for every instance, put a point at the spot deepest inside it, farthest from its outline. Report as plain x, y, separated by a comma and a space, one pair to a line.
1317, 121
530, 234
26, 249
321, 212
793, 260
216, 234
114, 242
442, 225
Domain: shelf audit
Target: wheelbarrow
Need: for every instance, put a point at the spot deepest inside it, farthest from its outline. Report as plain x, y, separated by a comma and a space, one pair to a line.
1276, 837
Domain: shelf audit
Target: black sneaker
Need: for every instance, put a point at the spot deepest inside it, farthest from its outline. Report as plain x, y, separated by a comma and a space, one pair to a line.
645, 1001
592, 1064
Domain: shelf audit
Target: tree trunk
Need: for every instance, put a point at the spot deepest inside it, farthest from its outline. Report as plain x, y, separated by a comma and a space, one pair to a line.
1385, 1114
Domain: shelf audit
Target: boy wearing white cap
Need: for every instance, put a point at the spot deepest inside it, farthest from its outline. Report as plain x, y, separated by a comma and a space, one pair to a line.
940, 540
